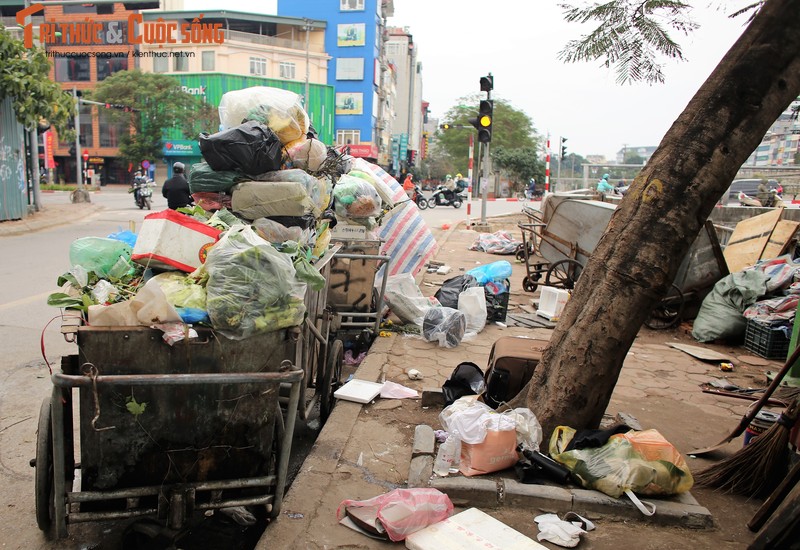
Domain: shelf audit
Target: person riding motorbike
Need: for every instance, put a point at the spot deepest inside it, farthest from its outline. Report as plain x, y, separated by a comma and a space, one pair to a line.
765, 196
449, 188
176, 188
603, 186
408, 187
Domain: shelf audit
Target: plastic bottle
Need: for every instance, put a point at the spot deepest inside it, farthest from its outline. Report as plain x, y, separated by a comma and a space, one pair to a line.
449, 456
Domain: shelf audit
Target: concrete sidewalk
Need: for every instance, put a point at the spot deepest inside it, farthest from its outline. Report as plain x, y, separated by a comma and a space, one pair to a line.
366, 450
50, 215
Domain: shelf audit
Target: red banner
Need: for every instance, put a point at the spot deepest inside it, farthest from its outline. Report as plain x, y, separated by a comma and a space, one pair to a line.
49, 147
364, 150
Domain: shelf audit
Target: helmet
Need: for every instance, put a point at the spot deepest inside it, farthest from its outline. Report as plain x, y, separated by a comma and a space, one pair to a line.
459, 176
606, 176
178, 167
448, 177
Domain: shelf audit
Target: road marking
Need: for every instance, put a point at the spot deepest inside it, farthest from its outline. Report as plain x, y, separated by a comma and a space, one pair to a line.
23, 301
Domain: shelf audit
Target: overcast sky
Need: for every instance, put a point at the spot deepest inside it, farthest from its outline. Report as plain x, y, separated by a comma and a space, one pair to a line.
520, 44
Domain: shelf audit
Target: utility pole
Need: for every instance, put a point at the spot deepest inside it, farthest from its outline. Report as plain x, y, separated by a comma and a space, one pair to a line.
78, 159
308, 63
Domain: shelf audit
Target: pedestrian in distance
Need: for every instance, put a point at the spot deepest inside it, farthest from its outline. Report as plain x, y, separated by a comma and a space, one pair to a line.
176, 188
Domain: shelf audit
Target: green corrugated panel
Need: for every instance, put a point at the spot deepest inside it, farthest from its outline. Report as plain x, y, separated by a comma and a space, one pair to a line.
320, 104
13, 196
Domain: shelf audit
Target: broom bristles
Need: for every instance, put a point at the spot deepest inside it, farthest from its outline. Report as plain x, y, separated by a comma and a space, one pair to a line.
755, 469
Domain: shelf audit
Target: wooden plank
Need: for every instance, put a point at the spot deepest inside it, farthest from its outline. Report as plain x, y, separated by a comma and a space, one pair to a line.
749, 239
782, 236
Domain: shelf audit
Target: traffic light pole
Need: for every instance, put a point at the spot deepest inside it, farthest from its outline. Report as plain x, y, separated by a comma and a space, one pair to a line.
485, 171
78, 156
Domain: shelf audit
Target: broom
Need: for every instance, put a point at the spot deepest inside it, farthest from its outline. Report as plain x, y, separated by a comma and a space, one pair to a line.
757, 468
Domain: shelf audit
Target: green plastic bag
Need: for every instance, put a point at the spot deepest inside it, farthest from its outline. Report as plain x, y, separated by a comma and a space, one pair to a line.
202, 178
106, 257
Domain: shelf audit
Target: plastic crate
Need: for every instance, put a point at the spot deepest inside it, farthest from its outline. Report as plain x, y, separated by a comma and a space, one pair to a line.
762, 339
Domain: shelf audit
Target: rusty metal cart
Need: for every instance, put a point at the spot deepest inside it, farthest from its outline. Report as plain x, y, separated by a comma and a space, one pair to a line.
166, 431
557, 243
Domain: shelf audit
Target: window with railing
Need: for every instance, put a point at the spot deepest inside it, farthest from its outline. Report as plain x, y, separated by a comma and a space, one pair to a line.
348, 137
258, 66
286, 70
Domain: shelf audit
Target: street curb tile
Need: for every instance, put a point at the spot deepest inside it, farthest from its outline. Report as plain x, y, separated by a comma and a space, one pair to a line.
667, 512
543, 497
482, 493
424, 441
420, 471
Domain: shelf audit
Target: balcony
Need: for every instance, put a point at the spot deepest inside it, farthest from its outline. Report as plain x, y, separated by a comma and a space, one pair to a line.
250, 38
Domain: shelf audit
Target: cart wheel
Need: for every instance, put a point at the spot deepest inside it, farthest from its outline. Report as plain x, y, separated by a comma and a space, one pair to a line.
522, 255
564, 274
44, 482
331, 380
529, 285
668, 312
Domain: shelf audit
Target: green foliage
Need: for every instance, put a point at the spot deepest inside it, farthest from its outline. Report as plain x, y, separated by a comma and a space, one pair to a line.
134, 407
630, 36
161, 104
521, 163
511, 129
24, 77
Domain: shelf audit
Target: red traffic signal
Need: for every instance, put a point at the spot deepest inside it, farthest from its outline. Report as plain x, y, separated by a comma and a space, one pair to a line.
85, 156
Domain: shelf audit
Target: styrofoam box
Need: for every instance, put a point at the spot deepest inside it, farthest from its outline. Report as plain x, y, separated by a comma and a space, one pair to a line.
552, 302
171, 240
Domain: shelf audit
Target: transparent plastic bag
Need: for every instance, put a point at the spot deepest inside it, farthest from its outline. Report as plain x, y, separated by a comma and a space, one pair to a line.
313, 186
641, 462
281, 110
356, 198
251, 286
277, 233
406, 300
258, 199
444, 325
307, 154
181, 290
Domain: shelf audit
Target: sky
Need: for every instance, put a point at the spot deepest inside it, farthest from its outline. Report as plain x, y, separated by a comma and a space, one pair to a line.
518, 41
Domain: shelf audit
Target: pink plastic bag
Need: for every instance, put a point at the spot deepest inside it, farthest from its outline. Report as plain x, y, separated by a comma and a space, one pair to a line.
404, 511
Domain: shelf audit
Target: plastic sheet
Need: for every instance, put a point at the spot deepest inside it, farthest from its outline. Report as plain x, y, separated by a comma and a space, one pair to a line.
281, 110
251, 148
258, 199
251, 286
406, 300
500, 242
314, 187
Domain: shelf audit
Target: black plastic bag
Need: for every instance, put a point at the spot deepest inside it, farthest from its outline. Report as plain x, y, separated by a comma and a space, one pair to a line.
451, 288
467, 379
251, 148
535, 467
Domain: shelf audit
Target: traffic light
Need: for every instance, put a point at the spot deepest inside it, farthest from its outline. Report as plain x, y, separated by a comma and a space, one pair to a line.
444, 126
487, 83
563, 147
411, 157
483, 122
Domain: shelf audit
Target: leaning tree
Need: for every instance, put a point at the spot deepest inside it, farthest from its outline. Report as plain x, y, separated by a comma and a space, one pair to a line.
655, 224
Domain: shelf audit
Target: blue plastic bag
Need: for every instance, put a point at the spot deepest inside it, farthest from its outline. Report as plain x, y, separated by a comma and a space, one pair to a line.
192, 315
493, 272
128, 237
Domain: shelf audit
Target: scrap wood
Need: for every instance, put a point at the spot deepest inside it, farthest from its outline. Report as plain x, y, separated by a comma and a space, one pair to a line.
749, 240
703, 354
780, 239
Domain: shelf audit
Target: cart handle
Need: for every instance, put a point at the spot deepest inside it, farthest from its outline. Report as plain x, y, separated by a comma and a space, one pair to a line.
70, 380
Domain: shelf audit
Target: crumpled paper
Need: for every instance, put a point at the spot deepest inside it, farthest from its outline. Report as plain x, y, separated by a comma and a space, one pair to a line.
562, 532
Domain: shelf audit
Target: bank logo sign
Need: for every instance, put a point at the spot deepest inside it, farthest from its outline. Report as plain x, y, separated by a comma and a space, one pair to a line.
132, 31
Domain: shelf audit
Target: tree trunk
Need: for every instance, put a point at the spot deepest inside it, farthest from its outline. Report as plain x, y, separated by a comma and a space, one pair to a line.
656, 223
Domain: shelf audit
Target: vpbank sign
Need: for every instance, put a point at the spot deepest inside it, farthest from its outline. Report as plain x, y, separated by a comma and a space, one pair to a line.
196, 90
181, 148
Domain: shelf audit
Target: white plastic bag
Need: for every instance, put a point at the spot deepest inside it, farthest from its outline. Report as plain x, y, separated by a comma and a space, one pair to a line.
406, 300
307, 154
472, 303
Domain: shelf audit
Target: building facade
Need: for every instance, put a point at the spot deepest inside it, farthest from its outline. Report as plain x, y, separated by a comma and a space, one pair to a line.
781, 143
354, 38
407, 125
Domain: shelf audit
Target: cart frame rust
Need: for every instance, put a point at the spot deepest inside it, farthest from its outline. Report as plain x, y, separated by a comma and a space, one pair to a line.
557, 243
216, 427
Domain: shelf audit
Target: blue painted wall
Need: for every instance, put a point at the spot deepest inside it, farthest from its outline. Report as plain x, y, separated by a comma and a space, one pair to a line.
330, 11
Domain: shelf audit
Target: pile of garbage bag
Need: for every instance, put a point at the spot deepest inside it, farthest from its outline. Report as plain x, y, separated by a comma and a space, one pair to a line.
267, 195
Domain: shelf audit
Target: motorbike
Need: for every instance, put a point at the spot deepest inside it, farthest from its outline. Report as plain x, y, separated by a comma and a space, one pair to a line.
442, 197
142, 193
419, 198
